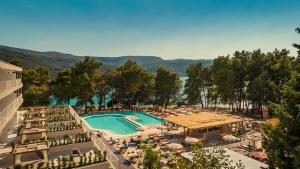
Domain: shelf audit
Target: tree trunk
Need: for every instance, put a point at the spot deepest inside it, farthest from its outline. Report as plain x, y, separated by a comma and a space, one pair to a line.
85, 107
104, 101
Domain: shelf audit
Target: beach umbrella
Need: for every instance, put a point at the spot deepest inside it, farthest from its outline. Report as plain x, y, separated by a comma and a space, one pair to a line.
173, 132
161, 127
152, 131
190, 140
230, 138
175, 146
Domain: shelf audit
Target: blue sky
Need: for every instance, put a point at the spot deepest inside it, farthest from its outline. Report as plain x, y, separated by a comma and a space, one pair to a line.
167, 28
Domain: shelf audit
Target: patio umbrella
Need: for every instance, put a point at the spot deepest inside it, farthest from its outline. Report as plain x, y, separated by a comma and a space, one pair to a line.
152, 131
139, 133
230, 138
161, 127
190, 140
173, 132
175, 146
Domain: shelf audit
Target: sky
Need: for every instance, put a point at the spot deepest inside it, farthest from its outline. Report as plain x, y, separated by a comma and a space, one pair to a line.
194, 29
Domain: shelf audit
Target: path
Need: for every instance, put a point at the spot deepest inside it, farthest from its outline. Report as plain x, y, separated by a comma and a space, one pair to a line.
119, 156
66, 150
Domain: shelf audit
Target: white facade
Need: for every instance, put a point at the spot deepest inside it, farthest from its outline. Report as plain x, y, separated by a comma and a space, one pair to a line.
10, 97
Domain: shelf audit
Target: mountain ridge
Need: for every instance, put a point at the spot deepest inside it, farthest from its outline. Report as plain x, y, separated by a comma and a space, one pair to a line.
56, 61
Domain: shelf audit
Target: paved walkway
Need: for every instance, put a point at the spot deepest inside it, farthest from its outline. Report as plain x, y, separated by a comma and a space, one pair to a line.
6, 159
119, 156
66, 150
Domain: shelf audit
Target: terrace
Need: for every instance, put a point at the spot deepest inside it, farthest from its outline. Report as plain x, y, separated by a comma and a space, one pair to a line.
19, 150
50, 137
205, 124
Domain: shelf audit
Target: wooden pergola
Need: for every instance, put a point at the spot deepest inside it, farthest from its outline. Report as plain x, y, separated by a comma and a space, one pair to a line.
37, 122
31, 131
35, 114
205, 124
19, 150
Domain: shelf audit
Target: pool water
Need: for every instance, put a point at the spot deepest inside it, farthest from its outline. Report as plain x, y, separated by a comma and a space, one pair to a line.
118, 124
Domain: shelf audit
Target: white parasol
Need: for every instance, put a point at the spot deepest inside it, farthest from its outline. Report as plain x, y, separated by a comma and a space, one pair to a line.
190, 140
230, 138
173, 132
152, 131
175, 146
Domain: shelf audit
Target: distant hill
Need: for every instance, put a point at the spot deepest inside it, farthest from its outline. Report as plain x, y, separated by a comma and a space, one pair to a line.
56, 61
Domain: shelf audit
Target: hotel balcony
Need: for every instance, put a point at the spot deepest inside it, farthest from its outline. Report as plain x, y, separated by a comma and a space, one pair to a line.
10, 97
9, 86
8, 116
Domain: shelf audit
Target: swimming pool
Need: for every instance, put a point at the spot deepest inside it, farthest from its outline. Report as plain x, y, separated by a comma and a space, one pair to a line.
117, 123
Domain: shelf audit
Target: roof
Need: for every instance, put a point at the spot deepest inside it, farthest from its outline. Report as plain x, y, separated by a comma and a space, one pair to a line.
9, 67
37, 108
34, 119
248, 162
36, 112
202, 120
33, 130
19, 149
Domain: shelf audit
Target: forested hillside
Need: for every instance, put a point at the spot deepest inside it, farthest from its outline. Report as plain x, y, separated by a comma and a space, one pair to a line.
56, 61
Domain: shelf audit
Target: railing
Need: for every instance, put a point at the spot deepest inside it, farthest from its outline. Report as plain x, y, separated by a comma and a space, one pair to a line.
111, 157
104, 165
10, 109
8, 84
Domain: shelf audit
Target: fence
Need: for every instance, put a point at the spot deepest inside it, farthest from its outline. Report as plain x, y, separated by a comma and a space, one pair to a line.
105, 165
113, 160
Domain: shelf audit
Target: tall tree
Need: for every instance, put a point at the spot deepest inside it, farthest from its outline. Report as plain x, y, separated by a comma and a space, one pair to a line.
36, 89
194, 86
167, 85
132, 84
102, 89
297, 46
222, 75
282, 141
62, 87
256, 81
239, 72
83, 80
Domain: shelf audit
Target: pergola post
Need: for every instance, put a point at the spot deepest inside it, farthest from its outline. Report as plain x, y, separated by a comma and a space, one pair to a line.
27, 124
44, 135
45, 155
17, 159
23, 138
43, 123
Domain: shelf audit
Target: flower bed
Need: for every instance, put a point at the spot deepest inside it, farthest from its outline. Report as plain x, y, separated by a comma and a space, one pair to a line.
66, 139
60, 117
73, 161
63, 127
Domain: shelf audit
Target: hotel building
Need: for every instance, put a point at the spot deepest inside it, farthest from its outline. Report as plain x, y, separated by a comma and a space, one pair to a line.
10, 97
